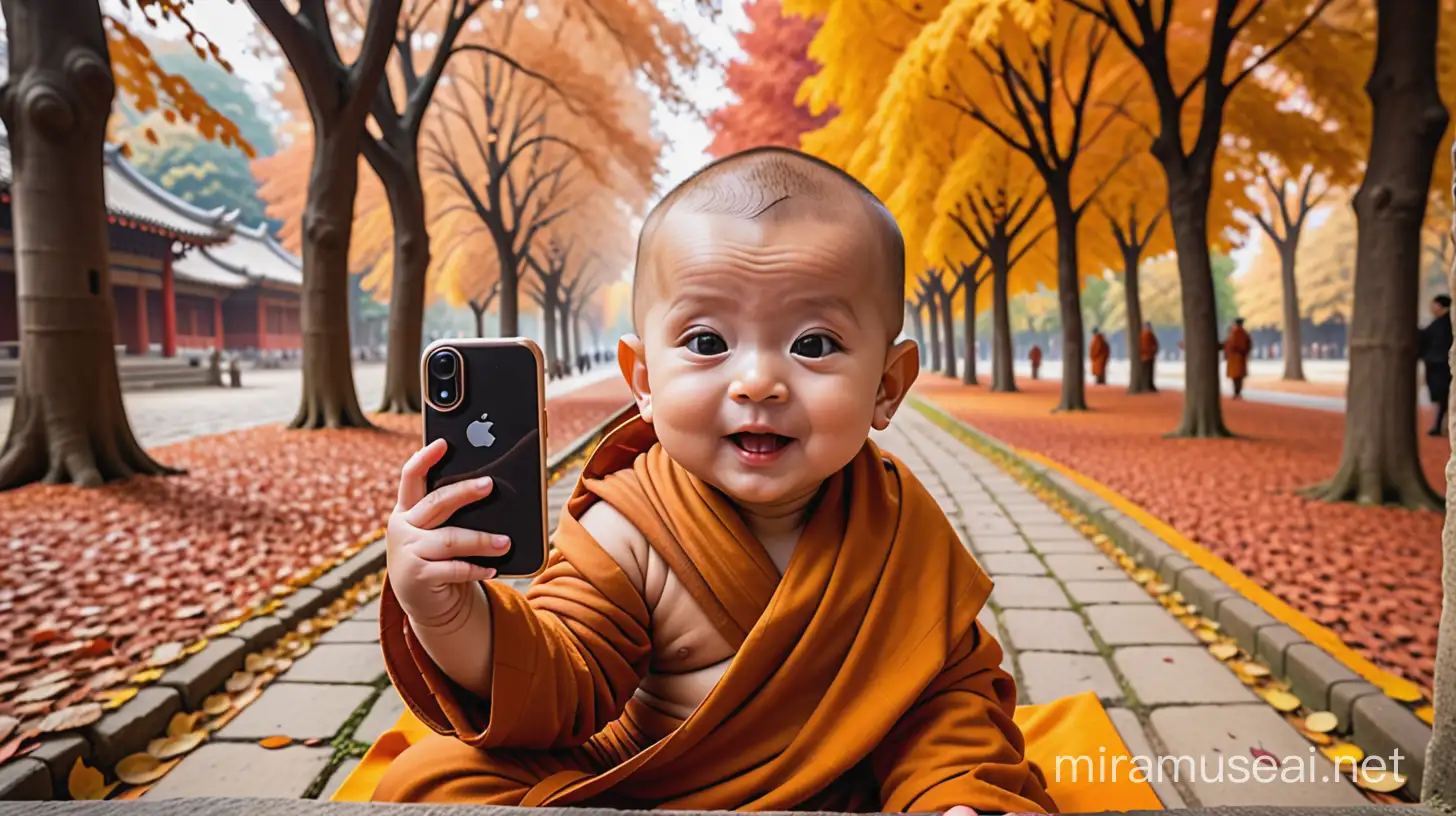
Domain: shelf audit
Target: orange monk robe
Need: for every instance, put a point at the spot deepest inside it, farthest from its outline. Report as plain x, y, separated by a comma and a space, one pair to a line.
862, 679
1236, 350
1148, 345
1035, 355
1099, 351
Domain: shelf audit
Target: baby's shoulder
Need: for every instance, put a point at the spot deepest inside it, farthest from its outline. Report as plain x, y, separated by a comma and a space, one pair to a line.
620, 538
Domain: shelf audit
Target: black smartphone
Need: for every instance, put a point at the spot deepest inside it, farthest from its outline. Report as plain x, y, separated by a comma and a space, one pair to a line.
486, 399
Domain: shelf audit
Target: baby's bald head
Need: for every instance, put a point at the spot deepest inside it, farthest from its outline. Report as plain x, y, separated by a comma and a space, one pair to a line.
777, 185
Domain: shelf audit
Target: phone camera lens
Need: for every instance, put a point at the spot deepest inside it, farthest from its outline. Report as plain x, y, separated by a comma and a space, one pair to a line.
442, 365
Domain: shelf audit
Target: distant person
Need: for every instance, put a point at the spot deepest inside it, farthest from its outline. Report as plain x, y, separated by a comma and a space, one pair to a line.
1148, 352
1099, 353
1035, 356
1236, 351
1435, 353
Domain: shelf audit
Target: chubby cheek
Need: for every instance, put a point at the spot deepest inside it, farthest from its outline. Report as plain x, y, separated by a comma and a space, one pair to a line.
685, 400
839, 415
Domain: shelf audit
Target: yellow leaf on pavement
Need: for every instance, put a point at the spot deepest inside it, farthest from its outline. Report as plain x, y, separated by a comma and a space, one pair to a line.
87, 783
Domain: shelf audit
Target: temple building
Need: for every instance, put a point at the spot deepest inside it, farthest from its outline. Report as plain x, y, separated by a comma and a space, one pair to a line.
184, 280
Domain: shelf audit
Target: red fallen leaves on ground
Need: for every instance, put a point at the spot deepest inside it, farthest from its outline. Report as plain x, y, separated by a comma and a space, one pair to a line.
1370, 574
94, 581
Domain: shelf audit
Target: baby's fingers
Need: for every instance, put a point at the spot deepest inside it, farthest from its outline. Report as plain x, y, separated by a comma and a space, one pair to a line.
449, 543
444, 573
433, 509
412, 476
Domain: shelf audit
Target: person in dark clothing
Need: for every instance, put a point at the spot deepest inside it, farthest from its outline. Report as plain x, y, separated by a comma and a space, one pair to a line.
1435, 354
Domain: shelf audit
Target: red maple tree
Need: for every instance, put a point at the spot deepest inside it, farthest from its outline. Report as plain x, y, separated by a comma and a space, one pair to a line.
776, 64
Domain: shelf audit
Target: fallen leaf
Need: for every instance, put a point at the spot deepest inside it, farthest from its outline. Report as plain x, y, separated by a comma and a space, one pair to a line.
170, 747
1254, 669
9, 687
246, 698
166, 654
1167, 660
70, 718
257, 663
1344, 754
50, 678
196, 647
134, 793
1321, 722
239, 682
1282, 700
1224, 651
1263, 757
8, 725
194, 611
275, 742
312, 742
141, 769
40, 693
1206, 635
220, 629
8, 749
45, 635
148, 676
1426, 714
1379, 781
183, 724
85, 783
216, 704
96, 647
115, 698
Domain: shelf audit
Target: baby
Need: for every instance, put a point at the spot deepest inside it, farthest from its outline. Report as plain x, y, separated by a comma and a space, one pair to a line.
748, 605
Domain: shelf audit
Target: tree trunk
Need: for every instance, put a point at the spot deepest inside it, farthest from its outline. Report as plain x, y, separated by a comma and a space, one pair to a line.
1138, 381
329, 399
947, 323
1069, 298
969, 374
1380, 462
576, 333
568, 357
508, 291
1188, 205
934, 308
479, 319
1003, 374
401, 178
1293, 345
550, 309
917, 327
68, 422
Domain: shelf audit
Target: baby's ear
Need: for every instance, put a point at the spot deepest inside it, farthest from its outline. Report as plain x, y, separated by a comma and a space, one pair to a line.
902, 366
632, 358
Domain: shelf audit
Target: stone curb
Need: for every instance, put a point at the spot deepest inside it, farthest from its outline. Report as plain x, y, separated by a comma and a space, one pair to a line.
129, 729
1376, 723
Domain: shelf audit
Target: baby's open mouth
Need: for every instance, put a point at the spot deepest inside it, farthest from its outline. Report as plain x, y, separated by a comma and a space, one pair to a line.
760, 443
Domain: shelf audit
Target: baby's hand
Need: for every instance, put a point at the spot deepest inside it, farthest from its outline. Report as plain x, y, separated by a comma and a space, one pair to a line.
425, 569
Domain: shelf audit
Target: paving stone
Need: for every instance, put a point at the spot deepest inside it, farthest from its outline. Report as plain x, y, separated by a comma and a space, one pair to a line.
206, 671
987, 617
336, 780
1136, 625
128, 729
300, 606
1135, 737
1029, 592
299, 710
1145, 547
1343, 697
260, 632
1274, 642
1105, 592
381, 717
332, 584
1066, 546
1047, 630
1206, 738
338, 663
988, 544
998, 564
245, 770
1171, 567
1204, 590
1085, 568
59, 753
1242, 619
1051, 532
1162, 675
1385, 728
369, 611
353, 631
1051, 676
25, 779
1312, 671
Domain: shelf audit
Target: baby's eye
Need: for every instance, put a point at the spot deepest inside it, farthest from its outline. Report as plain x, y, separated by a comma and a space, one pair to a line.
708, 344
815, 346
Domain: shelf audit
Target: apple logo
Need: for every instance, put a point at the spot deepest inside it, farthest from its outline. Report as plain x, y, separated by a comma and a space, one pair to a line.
478, 433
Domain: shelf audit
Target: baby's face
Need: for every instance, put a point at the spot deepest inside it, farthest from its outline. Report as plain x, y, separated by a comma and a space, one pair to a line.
766, 349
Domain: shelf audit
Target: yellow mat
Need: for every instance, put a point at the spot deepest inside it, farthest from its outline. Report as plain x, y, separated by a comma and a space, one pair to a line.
1070, 728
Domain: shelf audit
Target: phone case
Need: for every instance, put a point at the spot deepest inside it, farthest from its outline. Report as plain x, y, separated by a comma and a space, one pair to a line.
497, 430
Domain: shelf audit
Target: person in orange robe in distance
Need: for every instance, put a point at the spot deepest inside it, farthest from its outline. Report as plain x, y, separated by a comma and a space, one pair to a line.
1236, 351
1035, 357
1099, 351
1148, 353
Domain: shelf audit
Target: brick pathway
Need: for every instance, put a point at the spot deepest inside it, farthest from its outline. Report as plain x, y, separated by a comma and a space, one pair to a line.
1070, 620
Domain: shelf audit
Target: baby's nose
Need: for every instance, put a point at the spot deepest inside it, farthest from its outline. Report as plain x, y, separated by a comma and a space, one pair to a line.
757, 382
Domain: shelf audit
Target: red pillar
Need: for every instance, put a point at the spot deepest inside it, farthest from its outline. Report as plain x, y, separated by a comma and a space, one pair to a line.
217, 321
143, 342
262, 322
169, 307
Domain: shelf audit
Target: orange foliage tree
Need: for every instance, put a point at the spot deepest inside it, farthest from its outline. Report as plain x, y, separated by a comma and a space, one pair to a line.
776, 62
